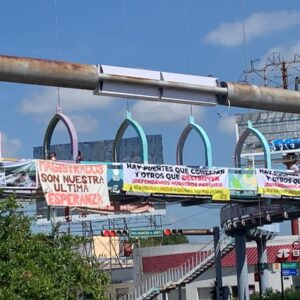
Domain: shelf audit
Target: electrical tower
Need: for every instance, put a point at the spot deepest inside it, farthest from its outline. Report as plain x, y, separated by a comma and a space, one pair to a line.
276, 71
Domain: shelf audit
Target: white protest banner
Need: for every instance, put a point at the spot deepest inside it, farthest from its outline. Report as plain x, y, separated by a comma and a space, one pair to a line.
73, 184
272, 182
172, 179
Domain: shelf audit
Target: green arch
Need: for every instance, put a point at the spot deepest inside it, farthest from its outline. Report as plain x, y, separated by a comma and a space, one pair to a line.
182, 139
141, 134
261, 138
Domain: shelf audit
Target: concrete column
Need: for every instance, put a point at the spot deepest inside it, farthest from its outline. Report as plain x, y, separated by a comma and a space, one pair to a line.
262, 264
180, 293
241, 265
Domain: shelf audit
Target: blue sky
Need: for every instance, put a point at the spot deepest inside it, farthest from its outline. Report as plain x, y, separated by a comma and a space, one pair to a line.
179, 36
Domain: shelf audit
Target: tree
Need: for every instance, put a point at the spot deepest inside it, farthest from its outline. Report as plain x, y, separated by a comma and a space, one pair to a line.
174, 240
166, 240
39, 266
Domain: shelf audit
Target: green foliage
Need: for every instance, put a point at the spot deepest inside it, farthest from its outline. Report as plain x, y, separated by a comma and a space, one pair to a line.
174, 240
166, 240
38, 266
289, 294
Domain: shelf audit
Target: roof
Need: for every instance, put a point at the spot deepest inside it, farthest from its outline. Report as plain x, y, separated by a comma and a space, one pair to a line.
229, 259
161, 263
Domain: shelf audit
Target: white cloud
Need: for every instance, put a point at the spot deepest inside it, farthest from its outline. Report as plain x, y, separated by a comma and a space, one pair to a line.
84, 123
72, 100
10, 147
227, 124
287, 52
163, 113
256, 25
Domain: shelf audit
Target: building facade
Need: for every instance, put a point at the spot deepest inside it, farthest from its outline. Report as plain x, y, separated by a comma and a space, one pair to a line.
152, 261
130, 150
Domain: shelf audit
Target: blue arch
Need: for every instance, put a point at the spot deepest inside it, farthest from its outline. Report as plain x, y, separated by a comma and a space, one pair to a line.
141, 134
59, 116
261, 138
182, 139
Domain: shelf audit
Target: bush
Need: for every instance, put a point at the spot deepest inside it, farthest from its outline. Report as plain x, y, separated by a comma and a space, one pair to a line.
289, 294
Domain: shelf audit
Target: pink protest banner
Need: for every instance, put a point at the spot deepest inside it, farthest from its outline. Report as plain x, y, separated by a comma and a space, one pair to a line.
73, 184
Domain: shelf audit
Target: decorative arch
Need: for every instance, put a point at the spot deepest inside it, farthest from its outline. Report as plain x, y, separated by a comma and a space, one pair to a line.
261, 138
204, 137
59, 116
140, 132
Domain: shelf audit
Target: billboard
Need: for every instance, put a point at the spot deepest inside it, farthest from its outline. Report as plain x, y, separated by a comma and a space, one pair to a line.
18, 175
102, 150
281, 130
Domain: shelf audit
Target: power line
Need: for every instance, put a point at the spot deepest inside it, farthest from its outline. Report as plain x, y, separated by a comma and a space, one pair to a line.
275, 67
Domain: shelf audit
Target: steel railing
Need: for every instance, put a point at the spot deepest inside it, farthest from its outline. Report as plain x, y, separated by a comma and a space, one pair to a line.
186, 272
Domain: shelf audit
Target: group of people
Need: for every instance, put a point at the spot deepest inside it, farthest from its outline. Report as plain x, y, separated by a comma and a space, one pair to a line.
79, 158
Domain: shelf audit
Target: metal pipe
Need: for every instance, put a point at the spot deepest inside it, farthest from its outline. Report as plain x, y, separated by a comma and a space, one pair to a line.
196, 231
259, 97
84, 76
79, 76
47, 72
165, 84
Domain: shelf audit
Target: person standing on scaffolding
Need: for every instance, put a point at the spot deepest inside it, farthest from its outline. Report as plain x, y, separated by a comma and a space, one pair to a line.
52, 156
291, 161
79, 157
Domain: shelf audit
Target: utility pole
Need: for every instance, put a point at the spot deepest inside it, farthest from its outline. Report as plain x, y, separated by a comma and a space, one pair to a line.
284, 73
217, 249
297, 81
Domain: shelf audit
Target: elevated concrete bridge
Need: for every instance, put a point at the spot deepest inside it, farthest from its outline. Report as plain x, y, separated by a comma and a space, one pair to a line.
247, 205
